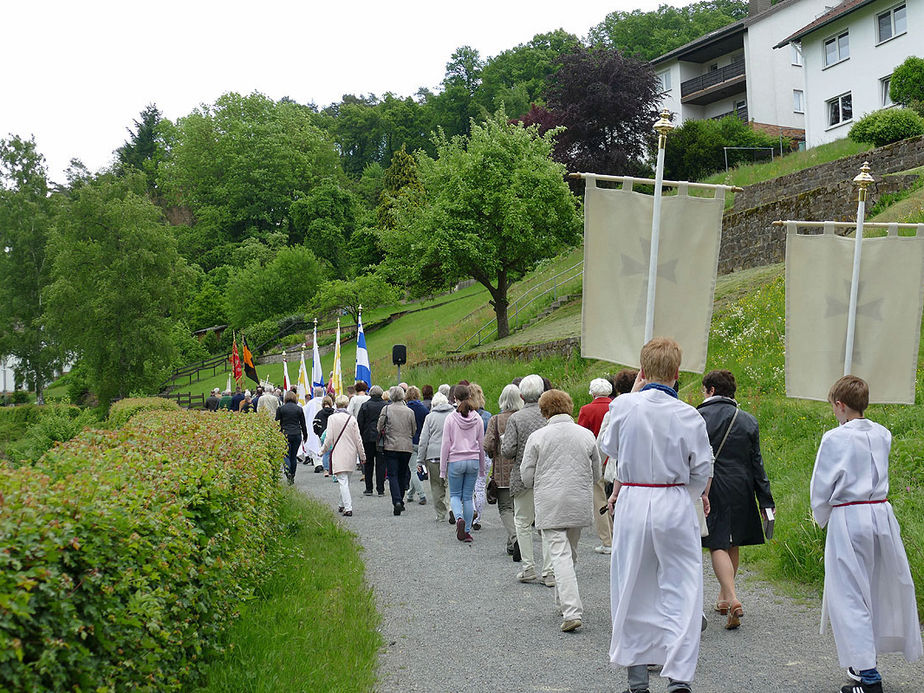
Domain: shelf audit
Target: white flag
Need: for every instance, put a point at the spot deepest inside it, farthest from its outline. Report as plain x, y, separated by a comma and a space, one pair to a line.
317, 375
337, 377
888, 321
286, 383
617, 246
302, 386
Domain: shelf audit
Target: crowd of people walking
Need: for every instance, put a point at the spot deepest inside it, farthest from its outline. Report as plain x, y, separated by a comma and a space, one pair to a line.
657, 479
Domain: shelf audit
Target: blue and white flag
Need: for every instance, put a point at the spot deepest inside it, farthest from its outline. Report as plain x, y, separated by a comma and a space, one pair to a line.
363, 372
317, 375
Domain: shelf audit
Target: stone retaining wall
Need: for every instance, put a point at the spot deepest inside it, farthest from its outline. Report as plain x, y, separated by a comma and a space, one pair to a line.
524, 352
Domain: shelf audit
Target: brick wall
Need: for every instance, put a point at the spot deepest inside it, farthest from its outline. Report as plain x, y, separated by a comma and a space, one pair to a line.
892, 158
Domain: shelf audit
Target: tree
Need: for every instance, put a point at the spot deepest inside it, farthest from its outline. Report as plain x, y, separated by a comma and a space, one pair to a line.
646, 35
26, 215
694, 150
495, 204
117, 285
607, 103
906, 86
368, 291
401, 182
145, 146
324, 221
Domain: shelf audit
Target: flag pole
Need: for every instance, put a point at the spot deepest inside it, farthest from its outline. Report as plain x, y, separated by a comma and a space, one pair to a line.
663, 127
863, 181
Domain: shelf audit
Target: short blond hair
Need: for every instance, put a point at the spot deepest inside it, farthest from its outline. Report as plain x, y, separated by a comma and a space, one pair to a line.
477, 395
660, 359
851, 391
554, 402
342, 401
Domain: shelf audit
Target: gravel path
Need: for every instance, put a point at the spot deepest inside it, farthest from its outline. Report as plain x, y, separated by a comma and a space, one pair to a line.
454, 618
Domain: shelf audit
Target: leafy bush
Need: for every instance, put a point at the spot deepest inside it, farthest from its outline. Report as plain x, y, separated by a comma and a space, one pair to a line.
127, 552
906, 85
124, 409
56, 424
887, 126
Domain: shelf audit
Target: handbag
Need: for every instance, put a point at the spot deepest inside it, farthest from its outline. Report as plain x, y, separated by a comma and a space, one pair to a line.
380, 441
422, 473
490, 491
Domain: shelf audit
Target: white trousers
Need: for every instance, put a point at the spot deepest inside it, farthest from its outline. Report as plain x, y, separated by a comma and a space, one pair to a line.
562, 546
524, 514
343, 480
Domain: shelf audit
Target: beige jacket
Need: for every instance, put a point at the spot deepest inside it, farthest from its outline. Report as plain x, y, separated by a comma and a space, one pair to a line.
349, 446
400, 425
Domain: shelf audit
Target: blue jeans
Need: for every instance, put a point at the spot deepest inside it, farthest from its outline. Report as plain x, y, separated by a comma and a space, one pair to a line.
462, 477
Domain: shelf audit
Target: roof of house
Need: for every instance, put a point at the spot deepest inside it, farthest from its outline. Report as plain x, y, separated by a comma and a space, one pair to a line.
831, 15
712, 45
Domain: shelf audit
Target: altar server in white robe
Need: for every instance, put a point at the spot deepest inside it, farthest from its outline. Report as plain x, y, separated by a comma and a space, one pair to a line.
311, 446
869, 595
663, 460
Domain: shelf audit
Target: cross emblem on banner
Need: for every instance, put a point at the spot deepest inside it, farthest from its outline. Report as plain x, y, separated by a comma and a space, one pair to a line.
633, 267
836, 307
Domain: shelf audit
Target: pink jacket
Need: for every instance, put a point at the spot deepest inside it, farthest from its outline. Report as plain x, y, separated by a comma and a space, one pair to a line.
349, 445
463, 439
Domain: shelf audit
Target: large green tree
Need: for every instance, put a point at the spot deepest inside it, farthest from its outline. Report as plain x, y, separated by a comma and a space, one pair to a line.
368, 291
26, 215
495, 204
145, 146
117, 284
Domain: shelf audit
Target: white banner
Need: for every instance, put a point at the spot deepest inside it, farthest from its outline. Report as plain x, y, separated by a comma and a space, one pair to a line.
617, 245
888, 323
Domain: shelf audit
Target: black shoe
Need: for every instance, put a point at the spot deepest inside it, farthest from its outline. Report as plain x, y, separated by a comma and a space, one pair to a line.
510, 550
863, 688
381, 493
397, 509
516, 552
367, 493
452, 518
319, 469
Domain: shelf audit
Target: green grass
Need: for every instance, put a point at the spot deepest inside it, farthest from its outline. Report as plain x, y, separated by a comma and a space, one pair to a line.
312, 625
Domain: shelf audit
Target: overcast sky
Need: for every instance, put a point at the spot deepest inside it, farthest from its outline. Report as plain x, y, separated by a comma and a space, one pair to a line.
77, 73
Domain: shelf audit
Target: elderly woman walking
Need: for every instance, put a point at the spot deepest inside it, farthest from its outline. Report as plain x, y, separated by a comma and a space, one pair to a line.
519, 427
292, 424
398, 424
462, 459
368, 419
561, 464
428, 453
508, 403
344, 444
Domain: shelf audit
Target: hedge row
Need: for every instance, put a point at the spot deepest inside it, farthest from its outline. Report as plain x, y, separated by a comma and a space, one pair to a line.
125, 552
124, 409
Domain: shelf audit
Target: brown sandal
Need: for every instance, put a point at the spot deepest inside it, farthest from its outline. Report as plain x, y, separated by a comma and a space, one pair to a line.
721, 607
735, 614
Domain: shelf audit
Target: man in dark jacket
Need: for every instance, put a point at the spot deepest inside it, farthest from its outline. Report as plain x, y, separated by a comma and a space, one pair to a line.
291, 420
211, 403
738, 478
368, 419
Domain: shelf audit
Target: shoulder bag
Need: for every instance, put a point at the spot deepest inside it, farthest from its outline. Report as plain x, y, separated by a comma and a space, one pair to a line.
380, 441
698, 502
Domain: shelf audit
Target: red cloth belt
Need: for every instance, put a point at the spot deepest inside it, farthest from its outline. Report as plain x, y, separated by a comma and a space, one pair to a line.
873, 502
654, 485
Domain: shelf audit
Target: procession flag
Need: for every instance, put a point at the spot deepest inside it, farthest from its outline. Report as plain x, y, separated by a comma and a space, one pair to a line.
286, 383
317, 375
363, 372
236, 363
337, 378
618, 262
250, 370
302, 387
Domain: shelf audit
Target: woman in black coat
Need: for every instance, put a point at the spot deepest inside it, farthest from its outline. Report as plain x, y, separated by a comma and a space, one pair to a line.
739, 477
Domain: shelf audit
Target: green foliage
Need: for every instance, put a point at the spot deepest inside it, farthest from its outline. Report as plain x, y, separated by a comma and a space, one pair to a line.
56, 424
125, 409
206, 307
324, 221
117, 283
906, 85
146, 146
401, 186
127, 552
647, 35
188, 349
285, 285
695, 148
368, 291
886, 126
260, 333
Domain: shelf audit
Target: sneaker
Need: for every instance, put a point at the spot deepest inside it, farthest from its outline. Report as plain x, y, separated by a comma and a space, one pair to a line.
528, 575
570, 625
516, 552
367, 493
397, 510
468, 538
348, 513
460, 529
603, 549
863, 688
340, 509
476, 525
637, 690
319, 469
548, 580
381, 493
853, 674
422, 501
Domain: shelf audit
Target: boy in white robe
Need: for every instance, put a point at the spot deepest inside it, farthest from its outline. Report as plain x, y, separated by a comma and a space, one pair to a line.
663, 459
869, 595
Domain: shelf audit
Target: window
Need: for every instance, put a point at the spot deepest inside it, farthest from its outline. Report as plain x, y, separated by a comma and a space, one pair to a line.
892, 23
840, 110
837, 48
795, 51
884, 98
665, 79
798, 101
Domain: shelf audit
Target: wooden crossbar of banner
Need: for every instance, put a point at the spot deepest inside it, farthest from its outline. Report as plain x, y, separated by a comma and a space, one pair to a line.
652, 181
848, 224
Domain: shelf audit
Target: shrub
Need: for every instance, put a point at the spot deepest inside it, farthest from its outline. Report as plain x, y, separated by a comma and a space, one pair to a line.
694, 150
887, 126
124, 409
126, 552
906, 85
56, 424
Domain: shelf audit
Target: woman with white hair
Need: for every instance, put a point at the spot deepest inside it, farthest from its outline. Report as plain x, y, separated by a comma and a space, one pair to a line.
508, 403
519, 427
344, 444
368, 419
398, 424
591, 418
428, 453
312, 446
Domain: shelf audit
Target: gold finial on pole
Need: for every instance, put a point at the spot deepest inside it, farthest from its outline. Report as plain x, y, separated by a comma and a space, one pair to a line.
663, 127
315, 323
864, 179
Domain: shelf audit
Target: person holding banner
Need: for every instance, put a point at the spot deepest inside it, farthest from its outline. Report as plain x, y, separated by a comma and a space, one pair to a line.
663, 459
869, 593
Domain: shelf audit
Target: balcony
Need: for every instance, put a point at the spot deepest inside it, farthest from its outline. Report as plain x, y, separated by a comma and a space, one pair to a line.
714, 85
741, 112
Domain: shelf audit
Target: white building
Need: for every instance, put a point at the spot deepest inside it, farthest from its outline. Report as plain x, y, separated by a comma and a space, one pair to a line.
849, 53
7, 377
735, 71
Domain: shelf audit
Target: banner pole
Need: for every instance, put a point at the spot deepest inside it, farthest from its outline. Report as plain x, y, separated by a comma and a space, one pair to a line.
663, 128
863, 181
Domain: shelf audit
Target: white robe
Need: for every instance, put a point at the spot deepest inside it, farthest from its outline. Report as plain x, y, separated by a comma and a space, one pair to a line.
656, 569
869, 595
311, 445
